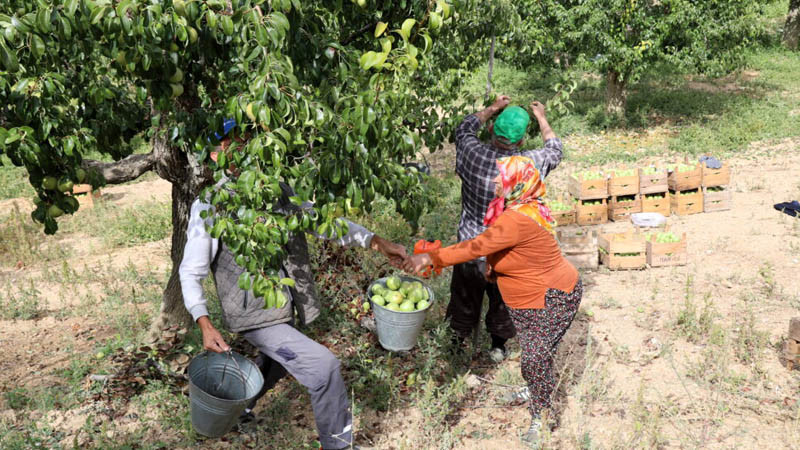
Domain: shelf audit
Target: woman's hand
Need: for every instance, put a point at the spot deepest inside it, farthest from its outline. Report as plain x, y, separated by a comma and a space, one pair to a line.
417, 263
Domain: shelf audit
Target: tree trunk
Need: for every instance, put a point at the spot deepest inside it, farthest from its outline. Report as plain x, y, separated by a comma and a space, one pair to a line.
491, 69
616, 94
791, 31
188, 179
172, 309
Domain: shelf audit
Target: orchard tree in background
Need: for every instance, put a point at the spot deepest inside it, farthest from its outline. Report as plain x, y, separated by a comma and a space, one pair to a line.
624, 38
791, 30
333, 97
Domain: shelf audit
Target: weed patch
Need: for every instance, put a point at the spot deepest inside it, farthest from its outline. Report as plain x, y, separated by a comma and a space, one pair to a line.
24, 304
124, 227
14, 181
22, 242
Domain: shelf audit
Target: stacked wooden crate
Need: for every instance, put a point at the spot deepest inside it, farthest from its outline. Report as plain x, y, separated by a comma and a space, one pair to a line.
716, 190
590, 189
654, 190
685, 182
623, 194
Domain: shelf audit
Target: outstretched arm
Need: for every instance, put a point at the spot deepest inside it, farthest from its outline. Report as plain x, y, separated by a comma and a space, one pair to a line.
500, 236
362, 237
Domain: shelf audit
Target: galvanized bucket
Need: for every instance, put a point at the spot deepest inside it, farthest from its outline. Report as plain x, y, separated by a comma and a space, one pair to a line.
398, 330
220, 387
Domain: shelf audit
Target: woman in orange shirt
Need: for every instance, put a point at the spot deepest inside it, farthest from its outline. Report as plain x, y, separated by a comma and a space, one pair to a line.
541, 289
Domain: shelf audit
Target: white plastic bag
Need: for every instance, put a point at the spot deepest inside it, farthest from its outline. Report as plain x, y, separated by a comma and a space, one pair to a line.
648, 219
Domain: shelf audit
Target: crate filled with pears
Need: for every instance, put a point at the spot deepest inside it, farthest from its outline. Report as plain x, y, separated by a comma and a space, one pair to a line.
623, 251
590, 190
665, 248
563, 211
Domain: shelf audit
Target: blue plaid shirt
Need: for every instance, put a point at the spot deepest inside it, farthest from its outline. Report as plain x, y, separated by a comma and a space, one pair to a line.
475, 165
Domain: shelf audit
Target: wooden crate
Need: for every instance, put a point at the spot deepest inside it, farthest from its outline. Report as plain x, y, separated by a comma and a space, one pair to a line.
564, 218
620, 209
588, 189
591, 214
717, 177
684, 205
716, 200
666, 254
579, 246
684, 181
85, 195
618, 186
623, 251
654, 182
657, 202
791, 347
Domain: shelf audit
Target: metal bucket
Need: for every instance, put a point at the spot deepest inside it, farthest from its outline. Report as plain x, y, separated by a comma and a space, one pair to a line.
398, 330
220, 387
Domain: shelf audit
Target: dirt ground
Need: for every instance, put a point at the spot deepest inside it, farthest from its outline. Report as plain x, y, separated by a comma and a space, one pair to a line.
631, 375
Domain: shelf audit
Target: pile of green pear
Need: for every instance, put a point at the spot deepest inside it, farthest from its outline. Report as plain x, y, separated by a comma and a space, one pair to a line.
403, 296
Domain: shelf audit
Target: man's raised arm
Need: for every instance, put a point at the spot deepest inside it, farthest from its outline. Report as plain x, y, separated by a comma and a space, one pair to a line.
549, 157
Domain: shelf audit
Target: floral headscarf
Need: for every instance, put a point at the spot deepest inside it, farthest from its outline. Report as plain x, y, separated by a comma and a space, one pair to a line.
522, 190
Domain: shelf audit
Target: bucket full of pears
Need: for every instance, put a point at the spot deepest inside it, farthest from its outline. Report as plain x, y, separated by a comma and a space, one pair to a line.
399, 304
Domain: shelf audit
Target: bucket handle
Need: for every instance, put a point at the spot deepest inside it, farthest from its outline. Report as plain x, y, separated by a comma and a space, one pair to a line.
229, 355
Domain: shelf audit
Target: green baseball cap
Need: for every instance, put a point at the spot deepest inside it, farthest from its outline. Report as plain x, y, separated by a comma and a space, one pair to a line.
512, 124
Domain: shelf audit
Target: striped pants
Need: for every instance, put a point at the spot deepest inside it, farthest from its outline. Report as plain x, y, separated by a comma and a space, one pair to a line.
539, 331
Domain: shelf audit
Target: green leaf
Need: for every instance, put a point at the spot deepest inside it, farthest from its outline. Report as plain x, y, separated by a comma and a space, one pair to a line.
37, 46
380, 28
69, 145
43, 20
405, 29
287, 282
122, 7
9, 58
70, 7
244, 281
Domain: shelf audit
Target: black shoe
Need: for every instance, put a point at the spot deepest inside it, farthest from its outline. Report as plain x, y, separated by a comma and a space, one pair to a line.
246, 417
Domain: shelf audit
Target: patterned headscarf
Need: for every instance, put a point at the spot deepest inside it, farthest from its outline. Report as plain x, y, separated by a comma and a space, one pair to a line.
522, 190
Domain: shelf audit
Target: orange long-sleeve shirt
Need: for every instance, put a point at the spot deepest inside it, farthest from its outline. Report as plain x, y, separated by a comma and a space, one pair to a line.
525, 257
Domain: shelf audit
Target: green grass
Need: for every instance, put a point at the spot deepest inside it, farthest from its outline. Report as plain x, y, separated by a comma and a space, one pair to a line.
13, 181
23, 243
123, 227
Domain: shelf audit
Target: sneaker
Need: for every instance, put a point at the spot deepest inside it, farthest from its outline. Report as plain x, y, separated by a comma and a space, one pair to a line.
518, 397
498, 355
533, 436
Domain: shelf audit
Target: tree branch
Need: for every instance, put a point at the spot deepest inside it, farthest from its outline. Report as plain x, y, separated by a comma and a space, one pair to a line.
364, 29
124, 170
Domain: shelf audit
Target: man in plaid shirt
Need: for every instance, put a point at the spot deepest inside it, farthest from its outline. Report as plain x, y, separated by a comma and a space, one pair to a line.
475, 165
